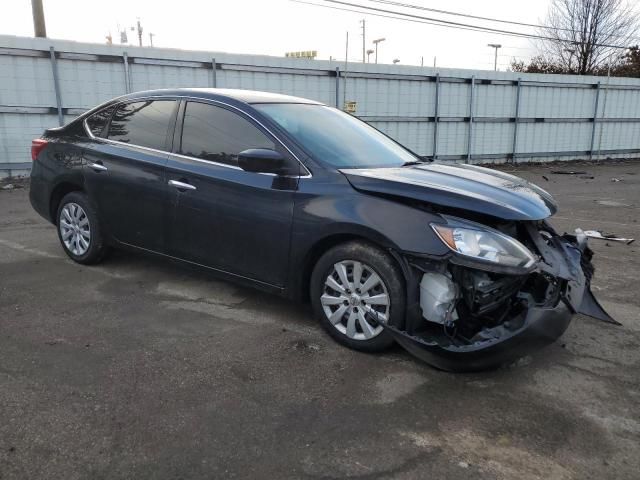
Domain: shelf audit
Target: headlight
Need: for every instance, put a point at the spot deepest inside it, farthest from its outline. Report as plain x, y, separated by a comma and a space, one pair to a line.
484, 244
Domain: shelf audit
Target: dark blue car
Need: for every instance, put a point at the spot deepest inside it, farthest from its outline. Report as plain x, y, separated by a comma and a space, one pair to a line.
457, 263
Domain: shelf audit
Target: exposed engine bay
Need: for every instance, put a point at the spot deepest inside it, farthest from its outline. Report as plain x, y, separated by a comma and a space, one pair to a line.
499, 310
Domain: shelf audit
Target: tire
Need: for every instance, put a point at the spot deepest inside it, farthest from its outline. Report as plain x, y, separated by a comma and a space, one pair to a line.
329, 302
79, 229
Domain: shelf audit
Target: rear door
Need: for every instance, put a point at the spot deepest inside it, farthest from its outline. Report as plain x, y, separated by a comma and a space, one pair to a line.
125, 171
222, 216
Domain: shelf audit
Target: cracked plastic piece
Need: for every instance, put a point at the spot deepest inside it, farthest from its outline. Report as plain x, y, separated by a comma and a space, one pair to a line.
500, 317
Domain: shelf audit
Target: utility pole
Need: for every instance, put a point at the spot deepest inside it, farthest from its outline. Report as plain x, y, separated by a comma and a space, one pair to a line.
364, 38
344, 75
346, 52
422, 61
496, 46
151, 39
39, 27
139, 33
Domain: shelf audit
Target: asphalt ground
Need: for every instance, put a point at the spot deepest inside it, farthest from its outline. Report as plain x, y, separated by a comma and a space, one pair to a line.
139, 368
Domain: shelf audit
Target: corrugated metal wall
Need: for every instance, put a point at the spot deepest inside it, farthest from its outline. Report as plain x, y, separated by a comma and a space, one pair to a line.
455, 115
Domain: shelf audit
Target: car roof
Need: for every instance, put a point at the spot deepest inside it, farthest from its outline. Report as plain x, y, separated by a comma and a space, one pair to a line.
245, 96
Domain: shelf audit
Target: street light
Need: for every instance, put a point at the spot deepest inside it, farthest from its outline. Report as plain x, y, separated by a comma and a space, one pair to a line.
495, 60
369, 52
376, 42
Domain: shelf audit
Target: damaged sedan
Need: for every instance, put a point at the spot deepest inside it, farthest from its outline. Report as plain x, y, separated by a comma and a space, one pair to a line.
457, 263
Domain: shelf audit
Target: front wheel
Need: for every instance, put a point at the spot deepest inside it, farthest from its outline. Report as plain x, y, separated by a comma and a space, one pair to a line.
355, 289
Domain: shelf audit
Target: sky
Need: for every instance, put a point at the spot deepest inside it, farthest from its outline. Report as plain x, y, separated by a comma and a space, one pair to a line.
273, 27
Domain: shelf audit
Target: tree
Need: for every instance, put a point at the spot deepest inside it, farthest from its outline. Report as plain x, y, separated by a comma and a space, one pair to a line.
629, 65
582, 33
538, 64
625, 65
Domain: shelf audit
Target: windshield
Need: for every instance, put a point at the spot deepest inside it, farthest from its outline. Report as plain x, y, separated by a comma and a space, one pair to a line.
335, 137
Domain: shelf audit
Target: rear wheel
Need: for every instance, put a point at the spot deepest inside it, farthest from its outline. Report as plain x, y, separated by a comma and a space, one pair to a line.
79, 229
355, 289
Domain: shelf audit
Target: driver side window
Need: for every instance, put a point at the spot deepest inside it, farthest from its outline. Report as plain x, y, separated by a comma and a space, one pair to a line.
218, 135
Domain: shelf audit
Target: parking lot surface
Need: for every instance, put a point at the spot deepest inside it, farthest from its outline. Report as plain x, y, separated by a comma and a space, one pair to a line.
138, 368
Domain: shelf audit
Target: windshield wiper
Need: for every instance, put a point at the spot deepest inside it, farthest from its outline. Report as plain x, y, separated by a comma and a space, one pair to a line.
414, 162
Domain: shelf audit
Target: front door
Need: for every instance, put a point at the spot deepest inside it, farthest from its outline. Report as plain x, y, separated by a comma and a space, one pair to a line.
223, 217
125, 172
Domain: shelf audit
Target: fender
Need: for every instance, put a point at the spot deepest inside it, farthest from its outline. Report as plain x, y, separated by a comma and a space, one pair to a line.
345, 213
385, 221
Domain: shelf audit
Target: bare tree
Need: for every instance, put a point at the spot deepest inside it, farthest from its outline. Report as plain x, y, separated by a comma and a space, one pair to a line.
583, 33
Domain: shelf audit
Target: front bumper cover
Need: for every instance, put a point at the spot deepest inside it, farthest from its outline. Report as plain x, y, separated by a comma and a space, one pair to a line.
566, 258
542, 326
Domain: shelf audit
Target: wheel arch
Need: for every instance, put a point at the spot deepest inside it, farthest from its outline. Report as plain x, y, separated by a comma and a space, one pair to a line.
303, 280
58, 193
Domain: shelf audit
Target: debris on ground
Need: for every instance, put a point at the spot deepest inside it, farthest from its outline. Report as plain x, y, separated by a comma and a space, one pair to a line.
305, 346
545, 177
616, 179
597, 234
587, 177
568, 172
13, 183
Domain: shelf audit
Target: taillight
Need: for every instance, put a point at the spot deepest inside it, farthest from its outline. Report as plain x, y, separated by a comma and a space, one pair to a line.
37, 144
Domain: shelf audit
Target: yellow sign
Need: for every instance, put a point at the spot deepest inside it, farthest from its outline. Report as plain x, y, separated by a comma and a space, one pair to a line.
306, 54
350, 107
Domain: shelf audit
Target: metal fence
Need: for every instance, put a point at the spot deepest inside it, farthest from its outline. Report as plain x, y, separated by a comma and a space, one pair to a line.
452, 115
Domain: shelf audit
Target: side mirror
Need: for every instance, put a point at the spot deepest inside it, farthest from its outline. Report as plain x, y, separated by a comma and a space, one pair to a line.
262, 160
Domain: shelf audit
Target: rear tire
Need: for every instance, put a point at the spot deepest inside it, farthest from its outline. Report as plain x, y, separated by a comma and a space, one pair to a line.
356, 288
79, 229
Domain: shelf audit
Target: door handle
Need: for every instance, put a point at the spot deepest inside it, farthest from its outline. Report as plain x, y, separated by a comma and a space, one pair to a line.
181, 185
98, 167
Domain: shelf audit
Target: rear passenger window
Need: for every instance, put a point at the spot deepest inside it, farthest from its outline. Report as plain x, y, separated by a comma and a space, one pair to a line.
142, 123
98, 121
216, 134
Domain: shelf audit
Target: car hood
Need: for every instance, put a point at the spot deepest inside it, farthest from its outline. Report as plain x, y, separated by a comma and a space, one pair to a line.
465, 187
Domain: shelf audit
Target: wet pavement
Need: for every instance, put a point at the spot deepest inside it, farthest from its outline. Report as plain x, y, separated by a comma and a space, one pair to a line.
139, 368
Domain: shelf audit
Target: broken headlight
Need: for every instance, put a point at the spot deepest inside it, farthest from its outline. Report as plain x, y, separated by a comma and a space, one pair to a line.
482, 243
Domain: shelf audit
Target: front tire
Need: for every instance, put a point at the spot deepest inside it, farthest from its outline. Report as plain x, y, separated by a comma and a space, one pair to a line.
79, 229
356, 288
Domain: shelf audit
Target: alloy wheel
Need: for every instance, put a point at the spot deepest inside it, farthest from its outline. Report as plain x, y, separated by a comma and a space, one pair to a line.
75, 230
355, 300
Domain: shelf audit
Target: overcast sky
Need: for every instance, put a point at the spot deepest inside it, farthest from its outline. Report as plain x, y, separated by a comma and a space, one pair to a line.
272, 27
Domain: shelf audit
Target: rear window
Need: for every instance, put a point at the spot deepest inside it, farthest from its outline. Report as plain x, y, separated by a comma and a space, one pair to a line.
142, 123
98, 121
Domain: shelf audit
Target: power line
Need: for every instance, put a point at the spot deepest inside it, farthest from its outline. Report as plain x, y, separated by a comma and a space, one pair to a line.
447, 23
477, 17
304, 2
379, 15
466, 15
458, 24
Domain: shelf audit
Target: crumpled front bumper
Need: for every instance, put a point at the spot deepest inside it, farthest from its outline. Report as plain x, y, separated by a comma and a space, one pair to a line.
568, 259
542, 326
